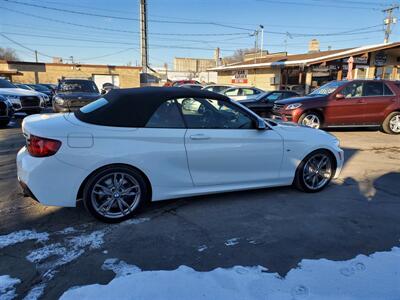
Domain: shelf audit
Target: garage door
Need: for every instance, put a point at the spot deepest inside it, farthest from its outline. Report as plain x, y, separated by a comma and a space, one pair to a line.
102, 79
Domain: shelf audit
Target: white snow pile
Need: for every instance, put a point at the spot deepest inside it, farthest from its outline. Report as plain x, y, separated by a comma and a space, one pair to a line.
119, 267
7, 289
22, 236
364, 277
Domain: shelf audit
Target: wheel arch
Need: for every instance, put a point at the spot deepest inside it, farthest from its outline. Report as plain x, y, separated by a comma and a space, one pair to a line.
145, 177
318, 111
330, 152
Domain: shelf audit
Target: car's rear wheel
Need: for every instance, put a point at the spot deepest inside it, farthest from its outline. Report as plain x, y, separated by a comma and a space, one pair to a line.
4, 123
315, 171
311, 119
115, 193
391, 124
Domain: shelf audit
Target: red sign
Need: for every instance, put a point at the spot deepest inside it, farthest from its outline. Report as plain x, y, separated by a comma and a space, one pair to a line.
239, 76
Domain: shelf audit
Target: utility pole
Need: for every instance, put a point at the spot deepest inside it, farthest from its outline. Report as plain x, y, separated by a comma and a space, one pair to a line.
389, 20
262, 40
255, 34
143, 35
36, 56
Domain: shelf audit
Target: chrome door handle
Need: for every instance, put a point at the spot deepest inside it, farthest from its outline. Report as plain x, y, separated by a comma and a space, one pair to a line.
199, 137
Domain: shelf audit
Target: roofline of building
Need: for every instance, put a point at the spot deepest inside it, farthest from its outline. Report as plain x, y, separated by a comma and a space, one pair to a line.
74, 64
311, 61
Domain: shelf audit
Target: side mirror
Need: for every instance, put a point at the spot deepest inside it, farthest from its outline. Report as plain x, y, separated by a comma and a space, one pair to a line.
339, 96
261, 125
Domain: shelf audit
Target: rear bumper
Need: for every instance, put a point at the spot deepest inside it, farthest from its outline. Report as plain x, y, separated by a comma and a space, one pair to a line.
48, 180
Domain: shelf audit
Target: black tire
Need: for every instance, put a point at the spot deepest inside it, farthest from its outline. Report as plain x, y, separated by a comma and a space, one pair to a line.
310, 114
4, 123
299, 181
386, 125
108, 171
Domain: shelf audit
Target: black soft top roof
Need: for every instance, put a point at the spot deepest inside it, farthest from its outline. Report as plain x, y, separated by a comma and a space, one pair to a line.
134, 107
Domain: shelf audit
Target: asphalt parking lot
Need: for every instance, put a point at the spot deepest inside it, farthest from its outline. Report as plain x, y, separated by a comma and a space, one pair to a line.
276, 228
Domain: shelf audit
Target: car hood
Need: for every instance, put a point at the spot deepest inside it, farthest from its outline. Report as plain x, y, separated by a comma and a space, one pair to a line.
299, 99
80, 96
17, 92
248, 101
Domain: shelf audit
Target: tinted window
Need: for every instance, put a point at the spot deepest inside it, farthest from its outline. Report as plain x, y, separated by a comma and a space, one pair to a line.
373, 89
328, 88
6, 84
274, 96
354, 89
94, 105
213, 114
387, 91
166, 116
86, 86
248, 92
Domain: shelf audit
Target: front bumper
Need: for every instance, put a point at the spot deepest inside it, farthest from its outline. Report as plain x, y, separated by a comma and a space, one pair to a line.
48, 179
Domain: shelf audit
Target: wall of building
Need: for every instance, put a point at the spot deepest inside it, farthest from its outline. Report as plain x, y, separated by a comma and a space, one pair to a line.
50, 73
260, 78
193, 64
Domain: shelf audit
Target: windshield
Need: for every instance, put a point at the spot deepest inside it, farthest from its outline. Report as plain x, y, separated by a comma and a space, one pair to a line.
4, 84
328, 88
71, 86
40, 88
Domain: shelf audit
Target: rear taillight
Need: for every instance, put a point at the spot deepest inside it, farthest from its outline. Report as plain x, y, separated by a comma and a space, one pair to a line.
42, 147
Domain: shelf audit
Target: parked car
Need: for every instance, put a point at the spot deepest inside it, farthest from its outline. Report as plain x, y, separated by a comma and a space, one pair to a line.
26, 101
42, 89
297, 88
108, 87
192, 86
6, 111
346, 104
50, 86
180, 82
217, 88
199, 137
262, 104
242, 93
72, 94
45, 96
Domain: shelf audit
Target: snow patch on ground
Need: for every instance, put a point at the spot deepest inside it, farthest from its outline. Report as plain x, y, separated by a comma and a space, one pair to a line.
135, 221
22, 236
202, 248
7, 289
119, 267
232, 242
36, 292
365, 277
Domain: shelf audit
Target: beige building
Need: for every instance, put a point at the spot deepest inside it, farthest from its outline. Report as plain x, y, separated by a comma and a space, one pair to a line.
310, 70
32, 72
195, 65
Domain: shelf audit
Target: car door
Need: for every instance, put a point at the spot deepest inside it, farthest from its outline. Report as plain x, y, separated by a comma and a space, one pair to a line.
223, 147
377, 97
346, 106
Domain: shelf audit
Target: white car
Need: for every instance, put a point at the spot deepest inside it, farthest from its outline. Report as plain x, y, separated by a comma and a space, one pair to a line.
150, 144
25, 101
242, 93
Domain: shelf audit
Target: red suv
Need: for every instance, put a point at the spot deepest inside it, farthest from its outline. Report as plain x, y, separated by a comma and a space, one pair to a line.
346, 104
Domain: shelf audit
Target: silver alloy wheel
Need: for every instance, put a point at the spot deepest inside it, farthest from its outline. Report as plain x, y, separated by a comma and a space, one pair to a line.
115, 195
317, 171
394, 124
311, 120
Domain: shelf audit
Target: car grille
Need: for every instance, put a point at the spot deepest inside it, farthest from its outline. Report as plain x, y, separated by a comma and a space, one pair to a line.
78, 103
30, 101
278, 106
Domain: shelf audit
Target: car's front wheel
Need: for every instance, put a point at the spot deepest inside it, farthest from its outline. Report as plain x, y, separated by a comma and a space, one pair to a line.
391, 124
311, 119
115, 193
315, 171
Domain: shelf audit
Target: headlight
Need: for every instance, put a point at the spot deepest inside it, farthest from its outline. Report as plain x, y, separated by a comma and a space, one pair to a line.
12, 98
293, 106
58, 100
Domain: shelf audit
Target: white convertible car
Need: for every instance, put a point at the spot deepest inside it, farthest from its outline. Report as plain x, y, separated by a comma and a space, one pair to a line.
150, 144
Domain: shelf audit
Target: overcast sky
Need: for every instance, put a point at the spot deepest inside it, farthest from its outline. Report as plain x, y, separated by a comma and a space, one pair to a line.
111, 37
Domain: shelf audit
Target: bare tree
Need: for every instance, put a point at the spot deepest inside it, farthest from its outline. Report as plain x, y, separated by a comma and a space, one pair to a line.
238, 55
8, 54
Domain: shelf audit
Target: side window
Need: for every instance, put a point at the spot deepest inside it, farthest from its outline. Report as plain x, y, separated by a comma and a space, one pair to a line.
213, 114
273, 96
387, 91
247, 92
354, 89
232, 92
373, 88
167, 115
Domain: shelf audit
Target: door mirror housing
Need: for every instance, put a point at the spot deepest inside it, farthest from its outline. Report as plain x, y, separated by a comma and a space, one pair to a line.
261, 124
339, 96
